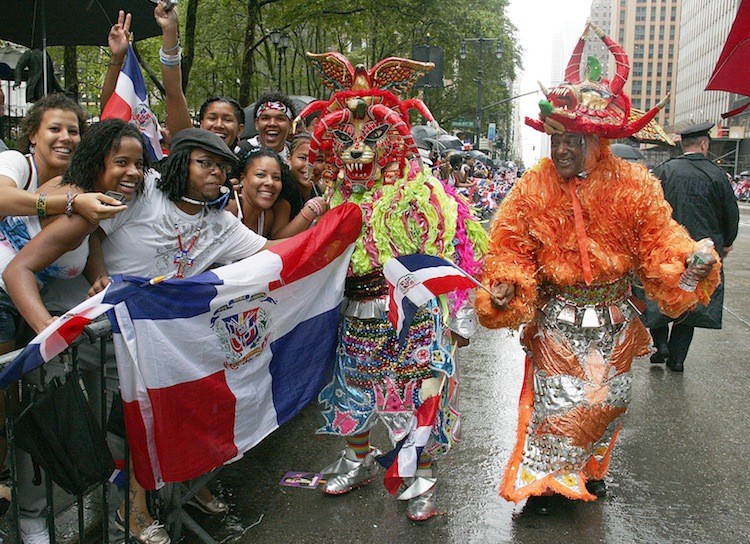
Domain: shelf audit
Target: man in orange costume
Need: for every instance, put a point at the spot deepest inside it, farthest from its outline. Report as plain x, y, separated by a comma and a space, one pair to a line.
567, 243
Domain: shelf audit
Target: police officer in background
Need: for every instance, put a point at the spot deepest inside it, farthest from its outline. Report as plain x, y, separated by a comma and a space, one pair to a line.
703, 202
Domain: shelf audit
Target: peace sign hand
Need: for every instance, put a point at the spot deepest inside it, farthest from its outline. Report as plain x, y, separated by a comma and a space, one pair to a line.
119, 37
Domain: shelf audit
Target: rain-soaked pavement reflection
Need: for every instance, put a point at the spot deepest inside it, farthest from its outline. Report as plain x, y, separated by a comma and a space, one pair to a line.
678, 474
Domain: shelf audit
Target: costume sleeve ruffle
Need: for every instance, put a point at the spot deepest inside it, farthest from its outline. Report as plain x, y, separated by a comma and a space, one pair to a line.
510, 259
661, 249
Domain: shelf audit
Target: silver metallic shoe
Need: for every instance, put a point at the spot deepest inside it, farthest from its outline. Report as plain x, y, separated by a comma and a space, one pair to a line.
346, 474
420, 492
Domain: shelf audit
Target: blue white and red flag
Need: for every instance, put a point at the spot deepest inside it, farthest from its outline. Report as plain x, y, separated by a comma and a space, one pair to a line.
415, 279
210, 365
402, 460
129, 102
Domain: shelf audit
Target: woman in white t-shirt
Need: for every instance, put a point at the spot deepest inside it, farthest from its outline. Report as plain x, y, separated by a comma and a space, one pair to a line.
50, 135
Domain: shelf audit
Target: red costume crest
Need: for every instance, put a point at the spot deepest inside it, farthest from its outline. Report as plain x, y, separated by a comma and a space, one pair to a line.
594, 105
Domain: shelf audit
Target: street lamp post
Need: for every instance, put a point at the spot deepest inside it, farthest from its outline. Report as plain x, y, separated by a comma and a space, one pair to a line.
480, 74
280, 41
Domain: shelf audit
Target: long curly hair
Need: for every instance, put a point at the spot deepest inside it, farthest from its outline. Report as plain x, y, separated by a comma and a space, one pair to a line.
90, 160
33, 119
175, 174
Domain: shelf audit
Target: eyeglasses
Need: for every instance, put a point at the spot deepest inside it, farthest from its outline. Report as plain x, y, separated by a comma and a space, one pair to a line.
208, 164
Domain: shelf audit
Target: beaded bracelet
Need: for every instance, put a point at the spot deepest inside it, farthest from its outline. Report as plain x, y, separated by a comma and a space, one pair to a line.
315, 207
41, 205
69, 205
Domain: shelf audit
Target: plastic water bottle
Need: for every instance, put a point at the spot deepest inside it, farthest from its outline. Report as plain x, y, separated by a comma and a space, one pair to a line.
689, 280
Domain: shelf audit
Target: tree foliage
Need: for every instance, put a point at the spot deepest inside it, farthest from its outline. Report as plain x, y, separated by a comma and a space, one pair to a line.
227, 48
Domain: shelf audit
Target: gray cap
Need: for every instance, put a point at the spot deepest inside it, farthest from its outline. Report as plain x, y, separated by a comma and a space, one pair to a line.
693, 131
203, 139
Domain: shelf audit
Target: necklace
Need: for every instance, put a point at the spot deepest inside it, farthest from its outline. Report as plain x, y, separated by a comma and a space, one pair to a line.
182, 259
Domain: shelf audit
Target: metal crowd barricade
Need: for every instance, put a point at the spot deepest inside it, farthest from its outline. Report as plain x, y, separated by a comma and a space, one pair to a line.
88, 511
66, 514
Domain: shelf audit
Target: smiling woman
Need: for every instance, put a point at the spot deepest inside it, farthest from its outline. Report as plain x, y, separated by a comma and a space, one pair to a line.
50, 135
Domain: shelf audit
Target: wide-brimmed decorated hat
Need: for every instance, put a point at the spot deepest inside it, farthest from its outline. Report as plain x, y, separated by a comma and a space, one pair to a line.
592, 104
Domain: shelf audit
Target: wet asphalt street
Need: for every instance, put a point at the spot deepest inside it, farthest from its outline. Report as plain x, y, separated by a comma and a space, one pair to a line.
679, 473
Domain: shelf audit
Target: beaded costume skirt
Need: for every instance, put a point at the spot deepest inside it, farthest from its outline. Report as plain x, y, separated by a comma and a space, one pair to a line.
377, 379
577, 387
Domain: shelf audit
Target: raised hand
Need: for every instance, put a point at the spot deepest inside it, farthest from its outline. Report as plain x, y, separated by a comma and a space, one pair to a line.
165, 15
119, 37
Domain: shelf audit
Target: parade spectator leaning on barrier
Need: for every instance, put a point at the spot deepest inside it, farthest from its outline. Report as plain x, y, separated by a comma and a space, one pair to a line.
34, 248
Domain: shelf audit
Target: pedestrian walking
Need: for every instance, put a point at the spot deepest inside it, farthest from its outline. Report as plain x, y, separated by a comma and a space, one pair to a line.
703, 202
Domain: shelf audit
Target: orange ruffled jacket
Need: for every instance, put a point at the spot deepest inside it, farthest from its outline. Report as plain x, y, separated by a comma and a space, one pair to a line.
628, 224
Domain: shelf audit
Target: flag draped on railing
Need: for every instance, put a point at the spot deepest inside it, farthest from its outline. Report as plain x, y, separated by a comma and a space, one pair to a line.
210, 365
129, 102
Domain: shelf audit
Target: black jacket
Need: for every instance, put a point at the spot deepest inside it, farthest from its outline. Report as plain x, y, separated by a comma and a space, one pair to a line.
703, 202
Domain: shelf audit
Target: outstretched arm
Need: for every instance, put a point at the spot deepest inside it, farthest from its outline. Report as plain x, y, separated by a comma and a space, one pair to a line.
58, 237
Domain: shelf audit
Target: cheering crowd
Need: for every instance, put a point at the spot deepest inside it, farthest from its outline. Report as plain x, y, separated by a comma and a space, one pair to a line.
565, 248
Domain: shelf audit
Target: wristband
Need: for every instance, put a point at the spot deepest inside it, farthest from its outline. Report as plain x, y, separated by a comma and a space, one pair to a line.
172, 49
41, 205
69, 205
170, 60
302, 213
315, 207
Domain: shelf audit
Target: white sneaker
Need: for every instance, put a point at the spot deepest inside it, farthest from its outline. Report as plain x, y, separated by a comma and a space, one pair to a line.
35, 537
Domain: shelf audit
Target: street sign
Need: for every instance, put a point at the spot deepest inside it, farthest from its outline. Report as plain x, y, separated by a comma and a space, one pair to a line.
462, 123
491, 132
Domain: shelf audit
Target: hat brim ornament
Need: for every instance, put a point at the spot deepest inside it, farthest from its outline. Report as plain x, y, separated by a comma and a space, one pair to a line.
592, 104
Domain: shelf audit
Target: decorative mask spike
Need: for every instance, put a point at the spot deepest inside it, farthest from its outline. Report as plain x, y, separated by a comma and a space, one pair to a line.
572, 72
622, 70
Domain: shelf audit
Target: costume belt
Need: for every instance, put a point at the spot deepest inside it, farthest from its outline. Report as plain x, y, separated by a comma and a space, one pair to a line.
592, 306
366, 286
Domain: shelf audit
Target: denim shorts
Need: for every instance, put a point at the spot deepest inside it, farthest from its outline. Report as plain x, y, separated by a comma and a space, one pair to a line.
8, 318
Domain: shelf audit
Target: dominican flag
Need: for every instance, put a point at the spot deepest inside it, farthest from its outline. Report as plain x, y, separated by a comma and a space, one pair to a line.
402, 460
129, 102
210, 365
415, 279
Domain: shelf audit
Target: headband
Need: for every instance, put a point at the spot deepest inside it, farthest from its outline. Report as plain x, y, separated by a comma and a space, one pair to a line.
279, 106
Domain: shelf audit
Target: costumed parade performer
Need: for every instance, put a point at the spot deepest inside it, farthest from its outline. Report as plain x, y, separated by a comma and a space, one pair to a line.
567, 243
364, 135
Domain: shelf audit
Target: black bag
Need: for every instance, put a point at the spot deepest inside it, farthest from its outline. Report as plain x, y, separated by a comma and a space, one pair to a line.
61, 434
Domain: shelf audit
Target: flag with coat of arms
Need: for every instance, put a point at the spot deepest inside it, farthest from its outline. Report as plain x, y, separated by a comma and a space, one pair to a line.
129, 102
212, 364
415, 279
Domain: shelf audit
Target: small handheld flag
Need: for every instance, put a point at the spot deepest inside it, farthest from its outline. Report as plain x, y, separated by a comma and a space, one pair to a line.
402, 461
129, 102
415, 279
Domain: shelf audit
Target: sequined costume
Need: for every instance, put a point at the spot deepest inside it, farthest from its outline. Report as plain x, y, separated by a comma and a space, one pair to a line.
377, 379
364, 135
572, 248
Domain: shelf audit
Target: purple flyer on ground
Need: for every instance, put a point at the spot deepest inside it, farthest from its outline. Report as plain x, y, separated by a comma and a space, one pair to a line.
307, 480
